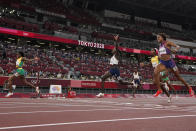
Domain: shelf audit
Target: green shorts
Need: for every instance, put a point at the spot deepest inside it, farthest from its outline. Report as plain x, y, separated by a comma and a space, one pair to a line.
162, 73
20, 71
165, 79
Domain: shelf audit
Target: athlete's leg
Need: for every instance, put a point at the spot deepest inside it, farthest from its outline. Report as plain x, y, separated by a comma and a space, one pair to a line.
170, 86
103, 78
164, 79
167, 93
9, 85
164, 90
167, 81
5, 85
10, 82
26, 82
29, 84
177, 74
156, 75
134, 90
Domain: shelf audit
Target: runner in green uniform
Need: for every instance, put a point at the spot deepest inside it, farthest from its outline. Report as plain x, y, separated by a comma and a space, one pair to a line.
20, 73
165, 81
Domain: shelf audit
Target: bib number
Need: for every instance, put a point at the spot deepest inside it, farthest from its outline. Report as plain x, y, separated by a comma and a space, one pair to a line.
162, 51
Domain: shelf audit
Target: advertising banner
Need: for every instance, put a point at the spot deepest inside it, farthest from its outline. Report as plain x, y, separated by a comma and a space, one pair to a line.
78, 42
55, 89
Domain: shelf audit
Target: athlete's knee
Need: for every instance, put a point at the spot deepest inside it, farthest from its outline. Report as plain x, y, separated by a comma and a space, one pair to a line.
105, 76
10, 80
176, 74
156, 72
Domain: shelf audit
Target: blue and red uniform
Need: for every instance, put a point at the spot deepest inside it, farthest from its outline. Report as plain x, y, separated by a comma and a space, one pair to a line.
169, 63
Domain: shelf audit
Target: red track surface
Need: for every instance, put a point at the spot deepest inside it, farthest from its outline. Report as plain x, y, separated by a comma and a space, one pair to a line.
116, 114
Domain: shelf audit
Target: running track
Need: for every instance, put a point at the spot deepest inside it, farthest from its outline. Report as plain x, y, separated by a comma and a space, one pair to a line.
103, 114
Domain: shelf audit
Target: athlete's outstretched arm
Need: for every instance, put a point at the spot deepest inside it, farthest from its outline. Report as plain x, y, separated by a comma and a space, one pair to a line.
26, 59
142, 64
177, 47
115, 50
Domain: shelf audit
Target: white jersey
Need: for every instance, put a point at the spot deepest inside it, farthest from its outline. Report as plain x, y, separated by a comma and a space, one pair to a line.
162, 51
136, 75
113, 60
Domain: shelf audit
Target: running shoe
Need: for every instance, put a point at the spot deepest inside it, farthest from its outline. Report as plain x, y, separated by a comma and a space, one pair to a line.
9, 94
158, 93
100, 95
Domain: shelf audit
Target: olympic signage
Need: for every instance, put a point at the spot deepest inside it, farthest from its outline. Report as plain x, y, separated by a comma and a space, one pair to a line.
40, 82
77, 42
33, 81
90, 44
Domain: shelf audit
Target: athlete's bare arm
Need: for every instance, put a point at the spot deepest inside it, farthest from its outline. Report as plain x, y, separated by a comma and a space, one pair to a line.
26, 59
115, 51
171, 44
142, 64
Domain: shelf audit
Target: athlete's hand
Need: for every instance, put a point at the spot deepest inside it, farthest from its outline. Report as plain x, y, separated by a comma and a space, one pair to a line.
174, 51
116, 37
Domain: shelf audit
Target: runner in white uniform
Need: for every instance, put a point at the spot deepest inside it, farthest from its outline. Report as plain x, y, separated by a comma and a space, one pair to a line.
136, 81
114, 69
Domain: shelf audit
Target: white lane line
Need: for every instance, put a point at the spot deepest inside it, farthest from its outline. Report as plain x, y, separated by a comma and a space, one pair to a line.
95, 101
86, 110
100, 106
101, 102
65, 104
32, 112
153, 106
86, 104
177, 109
123, 103
53, 106
7, 104
98, 101
25, 107
96, 121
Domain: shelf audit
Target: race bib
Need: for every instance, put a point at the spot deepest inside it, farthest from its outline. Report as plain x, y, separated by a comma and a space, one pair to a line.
162, 51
